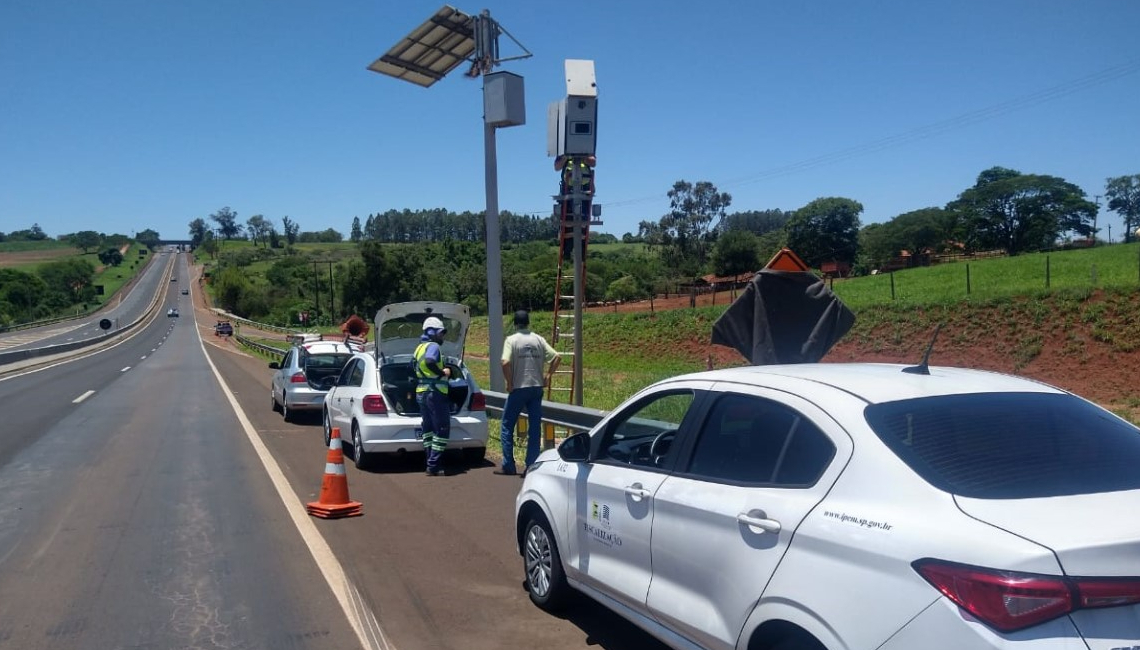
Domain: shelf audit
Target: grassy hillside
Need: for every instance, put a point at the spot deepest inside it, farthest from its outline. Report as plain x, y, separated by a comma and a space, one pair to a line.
1082, 332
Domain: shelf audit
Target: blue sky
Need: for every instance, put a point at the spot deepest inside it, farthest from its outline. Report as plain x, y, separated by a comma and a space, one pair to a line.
120, 115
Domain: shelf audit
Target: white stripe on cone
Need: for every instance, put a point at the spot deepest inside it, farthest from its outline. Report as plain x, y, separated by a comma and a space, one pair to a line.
334, 468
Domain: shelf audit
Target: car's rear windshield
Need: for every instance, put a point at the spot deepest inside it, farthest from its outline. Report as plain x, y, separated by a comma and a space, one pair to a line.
1011, 445
328, 360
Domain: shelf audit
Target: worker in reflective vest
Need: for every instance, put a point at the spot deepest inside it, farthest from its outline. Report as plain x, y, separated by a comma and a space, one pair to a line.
585, 167
431, 393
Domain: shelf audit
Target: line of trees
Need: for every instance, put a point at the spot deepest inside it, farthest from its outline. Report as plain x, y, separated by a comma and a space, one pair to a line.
1005, 209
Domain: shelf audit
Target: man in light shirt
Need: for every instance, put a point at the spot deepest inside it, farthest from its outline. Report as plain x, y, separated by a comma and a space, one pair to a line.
524, 356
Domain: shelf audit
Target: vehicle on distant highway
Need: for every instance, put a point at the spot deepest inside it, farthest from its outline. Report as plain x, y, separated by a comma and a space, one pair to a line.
304, 375
373, 401
185, 292
172, 312
828, 506
223, 328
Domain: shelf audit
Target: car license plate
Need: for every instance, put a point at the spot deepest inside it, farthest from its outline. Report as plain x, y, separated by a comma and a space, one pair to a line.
419, 433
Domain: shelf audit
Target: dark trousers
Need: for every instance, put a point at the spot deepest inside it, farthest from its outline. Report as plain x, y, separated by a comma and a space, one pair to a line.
435, 413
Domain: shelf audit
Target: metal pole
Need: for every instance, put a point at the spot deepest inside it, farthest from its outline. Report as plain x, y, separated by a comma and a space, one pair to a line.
316, 294
494, 260
332, 293
579, 206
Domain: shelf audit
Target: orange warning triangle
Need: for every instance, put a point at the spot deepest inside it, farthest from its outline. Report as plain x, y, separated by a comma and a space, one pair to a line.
786, 260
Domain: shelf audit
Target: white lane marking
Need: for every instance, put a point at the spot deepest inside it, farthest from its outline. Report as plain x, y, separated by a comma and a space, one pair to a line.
362, 620
142, 357
125, 369
83, 397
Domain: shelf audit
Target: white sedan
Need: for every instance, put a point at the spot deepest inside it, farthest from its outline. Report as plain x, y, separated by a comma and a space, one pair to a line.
835, 506
373, 401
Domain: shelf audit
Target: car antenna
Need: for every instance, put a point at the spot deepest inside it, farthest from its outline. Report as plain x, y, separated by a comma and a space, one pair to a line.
924, 367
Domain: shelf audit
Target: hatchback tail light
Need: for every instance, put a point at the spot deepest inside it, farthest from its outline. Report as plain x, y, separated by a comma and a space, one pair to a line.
373, 405
478, 402
1009, 600
297, 378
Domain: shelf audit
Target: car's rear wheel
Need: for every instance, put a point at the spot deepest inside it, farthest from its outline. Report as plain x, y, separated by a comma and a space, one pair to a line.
328, 428
286, 414
542, 564
360, 458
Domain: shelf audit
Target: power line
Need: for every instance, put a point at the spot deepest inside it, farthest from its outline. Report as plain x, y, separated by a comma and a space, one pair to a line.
923, 132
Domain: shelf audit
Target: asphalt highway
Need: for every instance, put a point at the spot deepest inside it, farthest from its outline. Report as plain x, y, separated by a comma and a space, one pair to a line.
150, 498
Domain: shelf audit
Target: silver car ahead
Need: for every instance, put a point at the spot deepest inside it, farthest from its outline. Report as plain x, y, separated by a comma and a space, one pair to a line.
305, 374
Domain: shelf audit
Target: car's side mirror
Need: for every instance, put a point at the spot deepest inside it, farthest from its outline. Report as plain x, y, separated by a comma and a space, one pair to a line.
274, 365
576, 448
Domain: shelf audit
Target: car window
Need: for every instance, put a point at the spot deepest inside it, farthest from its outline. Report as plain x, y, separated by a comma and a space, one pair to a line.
344, 378
629, 438
749, 439
1011, 445
288, 360
356, 374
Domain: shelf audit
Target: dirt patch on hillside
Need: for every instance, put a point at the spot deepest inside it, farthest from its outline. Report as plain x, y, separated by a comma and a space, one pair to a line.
24, 258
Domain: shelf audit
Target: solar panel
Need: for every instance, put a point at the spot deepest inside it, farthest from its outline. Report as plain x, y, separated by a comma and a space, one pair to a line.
430, 51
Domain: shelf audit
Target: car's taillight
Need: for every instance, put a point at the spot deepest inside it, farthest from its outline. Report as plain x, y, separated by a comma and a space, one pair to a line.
478, 402
373, 405
297, 378
1009, 600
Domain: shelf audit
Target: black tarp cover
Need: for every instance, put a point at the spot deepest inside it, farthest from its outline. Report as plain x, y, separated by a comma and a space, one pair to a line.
783, 317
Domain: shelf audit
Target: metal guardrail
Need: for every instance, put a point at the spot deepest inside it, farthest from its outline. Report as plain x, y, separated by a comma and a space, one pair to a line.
15, 327
569, 416
225, 315
268, 349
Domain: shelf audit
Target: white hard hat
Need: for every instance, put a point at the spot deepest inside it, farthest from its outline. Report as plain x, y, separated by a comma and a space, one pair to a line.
433, 323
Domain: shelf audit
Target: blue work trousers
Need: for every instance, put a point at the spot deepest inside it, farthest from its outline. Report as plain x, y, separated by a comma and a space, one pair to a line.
518, 400
435, 413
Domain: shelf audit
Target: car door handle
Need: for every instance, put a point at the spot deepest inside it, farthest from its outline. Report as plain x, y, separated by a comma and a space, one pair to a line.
637, 491
758, 519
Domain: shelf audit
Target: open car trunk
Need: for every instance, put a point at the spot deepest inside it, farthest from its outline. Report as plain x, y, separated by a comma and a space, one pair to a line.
321, 370
398, 381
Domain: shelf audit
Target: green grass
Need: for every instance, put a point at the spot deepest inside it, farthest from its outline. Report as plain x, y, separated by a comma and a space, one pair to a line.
1033, 274
114, 277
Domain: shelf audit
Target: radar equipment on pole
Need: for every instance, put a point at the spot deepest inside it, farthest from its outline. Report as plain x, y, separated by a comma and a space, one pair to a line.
572, 140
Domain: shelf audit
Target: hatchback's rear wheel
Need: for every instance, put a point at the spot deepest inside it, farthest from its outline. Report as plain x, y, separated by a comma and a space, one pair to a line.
286, 414
360, 458
328, 428
542, 564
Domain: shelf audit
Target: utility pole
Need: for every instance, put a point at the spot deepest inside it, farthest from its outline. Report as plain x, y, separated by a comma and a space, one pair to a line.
316, 294
332, 293
1097, 198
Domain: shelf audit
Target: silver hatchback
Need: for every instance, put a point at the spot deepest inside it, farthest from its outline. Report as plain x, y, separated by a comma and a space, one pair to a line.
305, 374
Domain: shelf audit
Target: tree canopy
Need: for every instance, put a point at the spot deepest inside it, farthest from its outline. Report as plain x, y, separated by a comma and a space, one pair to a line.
227, 223
825, 230
1020, 213
1123, 194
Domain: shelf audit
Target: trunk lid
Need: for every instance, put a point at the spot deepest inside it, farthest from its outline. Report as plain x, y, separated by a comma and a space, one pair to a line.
400, 325
1091, 534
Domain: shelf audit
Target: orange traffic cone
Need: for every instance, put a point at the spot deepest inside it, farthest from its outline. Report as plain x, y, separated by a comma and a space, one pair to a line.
334, 502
